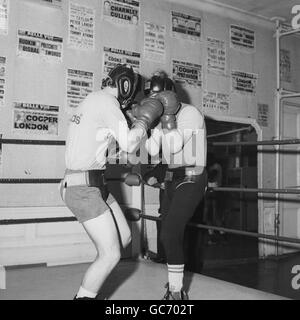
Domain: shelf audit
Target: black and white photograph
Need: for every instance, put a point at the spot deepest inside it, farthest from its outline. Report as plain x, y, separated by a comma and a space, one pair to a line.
150, 153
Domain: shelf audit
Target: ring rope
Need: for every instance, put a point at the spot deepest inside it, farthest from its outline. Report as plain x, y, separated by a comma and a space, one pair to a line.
9, 222
225, 133
200, 226
215, 144
45, 181
217, 189
33, 142
253, 190
152, 218
256, 143
232, 231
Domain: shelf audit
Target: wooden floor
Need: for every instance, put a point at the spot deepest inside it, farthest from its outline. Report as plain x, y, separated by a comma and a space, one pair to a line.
131, 280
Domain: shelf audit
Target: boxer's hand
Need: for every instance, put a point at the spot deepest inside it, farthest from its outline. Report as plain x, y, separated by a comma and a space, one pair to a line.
168, 122
147, 113
171, 106
152, 181
169, 101
130, 115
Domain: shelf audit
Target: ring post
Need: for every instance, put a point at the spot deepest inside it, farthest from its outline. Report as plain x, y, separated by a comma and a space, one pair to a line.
2, 278
136, 226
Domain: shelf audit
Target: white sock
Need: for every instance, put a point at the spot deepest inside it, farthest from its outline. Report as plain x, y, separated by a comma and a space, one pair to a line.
175, 275
85, 293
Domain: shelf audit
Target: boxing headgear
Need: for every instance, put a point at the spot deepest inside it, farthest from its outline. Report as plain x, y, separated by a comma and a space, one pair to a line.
125, 80
158, 83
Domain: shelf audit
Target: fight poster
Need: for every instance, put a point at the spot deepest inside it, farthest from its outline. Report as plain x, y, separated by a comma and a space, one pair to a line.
187, 74
113, 57
122, 11
263, 115
2, 80
155, 42
36, 119
39, 45
4, 13
285, 65
186, 26
242, 39
215, 102
216, 56
81, 27
244, 83
79, 85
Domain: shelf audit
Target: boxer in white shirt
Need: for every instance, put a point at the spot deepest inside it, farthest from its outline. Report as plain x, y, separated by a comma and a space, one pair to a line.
95, 123
181, 136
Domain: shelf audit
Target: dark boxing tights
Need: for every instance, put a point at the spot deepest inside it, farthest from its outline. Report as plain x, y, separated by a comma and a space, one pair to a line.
181, 198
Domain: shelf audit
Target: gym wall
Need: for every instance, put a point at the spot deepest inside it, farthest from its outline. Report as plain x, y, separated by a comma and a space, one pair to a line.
33, 79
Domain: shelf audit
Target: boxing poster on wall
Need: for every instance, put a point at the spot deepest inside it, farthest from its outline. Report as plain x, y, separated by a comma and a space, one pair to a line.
4, 14
216, 56
81, 33
285, 65
155, 42
242, 39
263, 115
185, 26
37, 119
39, 45
79, 85
122, 11
113, 57
2, 80
244, 82
215, 102
187, 74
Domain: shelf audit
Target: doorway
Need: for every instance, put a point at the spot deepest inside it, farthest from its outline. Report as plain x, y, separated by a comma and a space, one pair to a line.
290, 177
234, 210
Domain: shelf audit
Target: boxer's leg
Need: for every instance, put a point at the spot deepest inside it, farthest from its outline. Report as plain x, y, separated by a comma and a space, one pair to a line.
121, 223
103, 232
185, 200
96, 217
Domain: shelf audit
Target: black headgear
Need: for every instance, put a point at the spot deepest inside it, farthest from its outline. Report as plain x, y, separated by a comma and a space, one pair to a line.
125, 80
159, 82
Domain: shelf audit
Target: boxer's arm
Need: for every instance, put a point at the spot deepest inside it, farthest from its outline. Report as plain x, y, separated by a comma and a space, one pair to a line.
153, 144
174, 140
114, 119
146, 114
189, 120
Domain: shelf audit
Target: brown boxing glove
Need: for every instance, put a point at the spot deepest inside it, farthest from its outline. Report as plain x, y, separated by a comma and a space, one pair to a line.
171, 106
149, 111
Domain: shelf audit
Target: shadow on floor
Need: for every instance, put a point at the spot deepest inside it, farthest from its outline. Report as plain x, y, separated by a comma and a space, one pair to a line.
115, 279
273, 275
234, 259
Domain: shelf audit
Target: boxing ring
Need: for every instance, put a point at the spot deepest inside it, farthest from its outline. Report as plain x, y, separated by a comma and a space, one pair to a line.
131, 280
212, 288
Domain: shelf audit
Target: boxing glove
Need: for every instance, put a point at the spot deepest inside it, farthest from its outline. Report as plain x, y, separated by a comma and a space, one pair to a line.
149, 111
131, 114
133, 179
168, 122
171, 106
